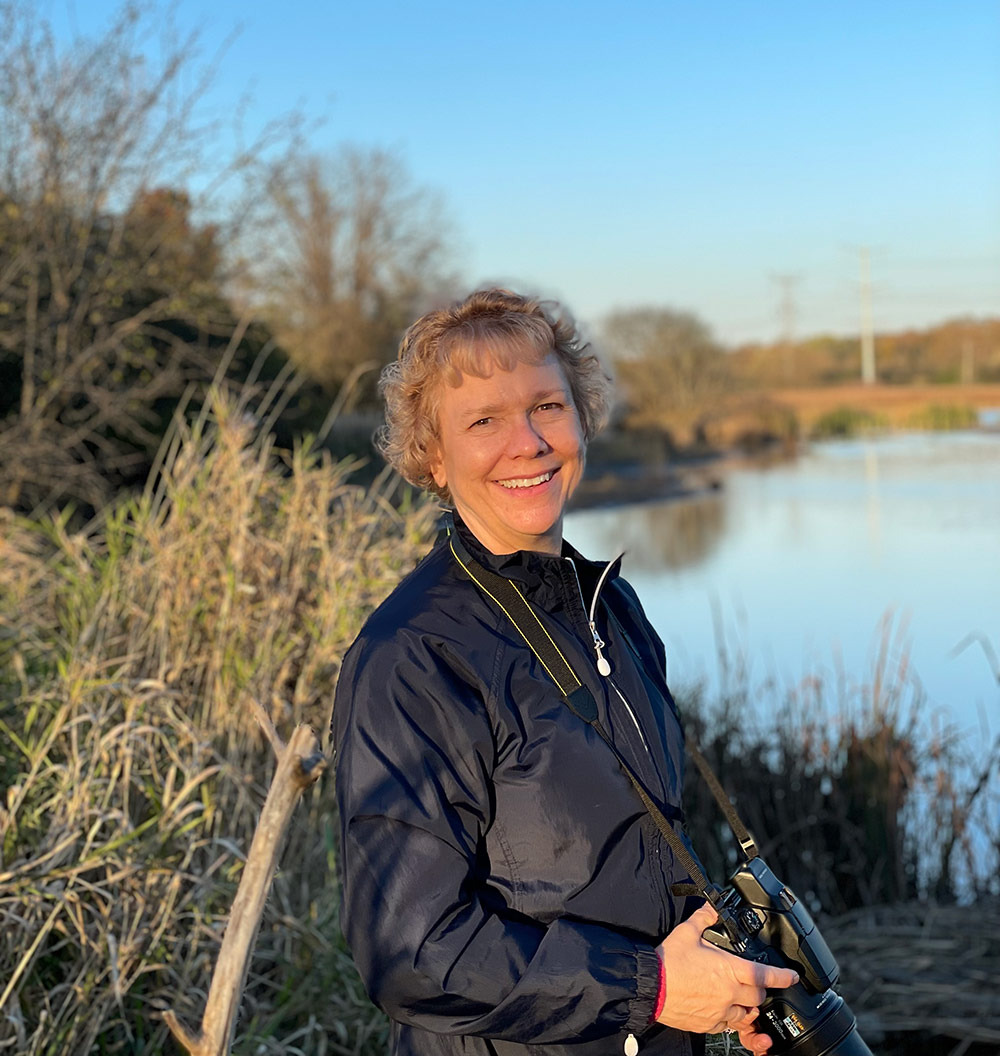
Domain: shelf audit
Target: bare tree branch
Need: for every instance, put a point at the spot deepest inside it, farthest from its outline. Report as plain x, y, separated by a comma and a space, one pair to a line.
300, 763
355, 252
114, 282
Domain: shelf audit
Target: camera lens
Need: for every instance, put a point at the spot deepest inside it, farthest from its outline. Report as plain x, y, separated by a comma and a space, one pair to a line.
806, 1024
852, 1045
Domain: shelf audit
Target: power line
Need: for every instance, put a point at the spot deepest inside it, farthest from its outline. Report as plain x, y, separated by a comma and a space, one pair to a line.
788, 315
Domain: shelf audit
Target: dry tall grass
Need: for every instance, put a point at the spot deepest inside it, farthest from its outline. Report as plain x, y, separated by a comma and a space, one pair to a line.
134, 658
856, 795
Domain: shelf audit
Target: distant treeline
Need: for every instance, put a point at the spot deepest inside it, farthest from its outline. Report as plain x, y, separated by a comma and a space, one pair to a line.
961, 350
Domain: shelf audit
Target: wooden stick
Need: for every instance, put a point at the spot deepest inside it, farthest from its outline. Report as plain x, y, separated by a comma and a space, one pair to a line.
300, 763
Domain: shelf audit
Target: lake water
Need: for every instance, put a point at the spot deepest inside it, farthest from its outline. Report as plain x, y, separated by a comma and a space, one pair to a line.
808, 567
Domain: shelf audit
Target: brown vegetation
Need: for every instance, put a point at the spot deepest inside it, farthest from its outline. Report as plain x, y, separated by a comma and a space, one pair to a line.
132, 662
879, 823
671, 371
112, 280
896, 404
355, 254
864, 804
922, 971
125, 294
682, 391
135, 653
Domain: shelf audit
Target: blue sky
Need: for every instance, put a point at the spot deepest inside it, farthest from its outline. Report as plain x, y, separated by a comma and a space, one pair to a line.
675, 154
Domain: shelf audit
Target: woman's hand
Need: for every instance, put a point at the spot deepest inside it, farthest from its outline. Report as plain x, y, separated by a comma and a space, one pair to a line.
709, 990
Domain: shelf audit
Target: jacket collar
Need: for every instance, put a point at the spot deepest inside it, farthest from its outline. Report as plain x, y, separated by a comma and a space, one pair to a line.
536, 572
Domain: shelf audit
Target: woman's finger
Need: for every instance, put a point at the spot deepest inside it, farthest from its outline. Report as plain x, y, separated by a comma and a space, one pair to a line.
740, 1016
750, 996
753, 1041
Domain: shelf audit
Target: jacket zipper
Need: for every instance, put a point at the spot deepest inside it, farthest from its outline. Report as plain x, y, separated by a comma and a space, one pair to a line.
603, 664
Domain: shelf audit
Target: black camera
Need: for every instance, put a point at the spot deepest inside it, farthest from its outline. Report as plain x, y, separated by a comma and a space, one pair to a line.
760, 919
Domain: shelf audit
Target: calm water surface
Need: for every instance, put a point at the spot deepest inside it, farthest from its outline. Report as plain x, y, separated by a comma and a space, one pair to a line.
801, 567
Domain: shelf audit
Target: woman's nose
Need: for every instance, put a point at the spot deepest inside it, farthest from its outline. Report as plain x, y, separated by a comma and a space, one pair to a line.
527, 439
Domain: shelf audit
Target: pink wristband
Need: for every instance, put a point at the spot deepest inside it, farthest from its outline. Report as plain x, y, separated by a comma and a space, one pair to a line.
661, 994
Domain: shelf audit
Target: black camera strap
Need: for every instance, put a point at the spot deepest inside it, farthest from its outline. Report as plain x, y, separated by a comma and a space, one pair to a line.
747, 843
581, 702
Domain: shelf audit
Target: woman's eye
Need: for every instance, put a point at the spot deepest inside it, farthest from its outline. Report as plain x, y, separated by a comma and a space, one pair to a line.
481, 421
549, 407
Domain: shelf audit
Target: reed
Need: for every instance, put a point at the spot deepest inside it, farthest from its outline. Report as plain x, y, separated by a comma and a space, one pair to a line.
134, 655
847, 421
855, 795
944, 416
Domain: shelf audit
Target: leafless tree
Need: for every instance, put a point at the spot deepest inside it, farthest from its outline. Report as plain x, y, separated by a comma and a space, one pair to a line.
111, 287
354, 253
672, 371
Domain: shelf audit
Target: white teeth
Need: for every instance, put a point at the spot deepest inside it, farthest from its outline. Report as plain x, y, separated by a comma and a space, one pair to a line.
527, 482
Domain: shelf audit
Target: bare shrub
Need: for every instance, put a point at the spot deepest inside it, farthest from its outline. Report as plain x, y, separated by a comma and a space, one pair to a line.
672, 371
355, 252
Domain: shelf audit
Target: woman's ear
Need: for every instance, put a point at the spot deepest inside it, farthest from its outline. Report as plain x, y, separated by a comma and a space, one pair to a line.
435, 466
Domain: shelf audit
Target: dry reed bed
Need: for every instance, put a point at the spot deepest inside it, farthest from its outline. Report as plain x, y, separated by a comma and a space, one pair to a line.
869, 804
132, 768
856, 792
922, 968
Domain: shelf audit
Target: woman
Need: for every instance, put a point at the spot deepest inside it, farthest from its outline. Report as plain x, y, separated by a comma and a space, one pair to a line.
505, 890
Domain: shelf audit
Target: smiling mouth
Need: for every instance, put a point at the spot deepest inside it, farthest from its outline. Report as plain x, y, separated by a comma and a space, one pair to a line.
527, 482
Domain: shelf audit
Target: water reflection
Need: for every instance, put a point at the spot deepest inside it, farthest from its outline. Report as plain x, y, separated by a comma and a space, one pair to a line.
661, 535
873, 503
809, 557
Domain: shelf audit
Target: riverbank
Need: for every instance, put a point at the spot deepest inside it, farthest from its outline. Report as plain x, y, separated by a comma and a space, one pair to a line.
134, 765
898, 406
623, 484
628, 468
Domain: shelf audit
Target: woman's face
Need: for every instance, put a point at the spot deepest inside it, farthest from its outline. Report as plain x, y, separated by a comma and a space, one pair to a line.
511, 452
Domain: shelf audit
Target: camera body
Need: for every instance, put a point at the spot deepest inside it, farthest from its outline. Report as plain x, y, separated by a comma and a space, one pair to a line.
760, 919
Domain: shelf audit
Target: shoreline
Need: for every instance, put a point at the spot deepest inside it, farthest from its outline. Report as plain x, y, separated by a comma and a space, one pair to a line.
688, 476
623, 484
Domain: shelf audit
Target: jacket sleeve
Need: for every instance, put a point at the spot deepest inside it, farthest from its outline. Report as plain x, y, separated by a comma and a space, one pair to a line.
436, 946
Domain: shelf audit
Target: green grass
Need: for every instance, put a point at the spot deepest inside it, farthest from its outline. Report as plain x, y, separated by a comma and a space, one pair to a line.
846, 422
944, 416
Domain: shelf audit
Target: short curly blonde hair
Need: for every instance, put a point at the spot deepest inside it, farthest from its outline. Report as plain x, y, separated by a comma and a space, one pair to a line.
491, 328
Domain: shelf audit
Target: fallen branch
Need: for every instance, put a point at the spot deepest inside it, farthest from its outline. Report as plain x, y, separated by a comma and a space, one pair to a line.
300, 763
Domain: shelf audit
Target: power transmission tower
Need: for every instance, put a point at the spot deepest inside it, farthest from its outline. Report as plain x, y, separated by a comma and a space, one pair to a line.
868, 375
787, 313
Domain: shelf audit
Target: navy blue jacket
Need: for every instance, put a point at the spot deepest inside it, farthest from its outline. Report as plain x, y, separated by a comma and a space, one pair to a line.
503, 886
